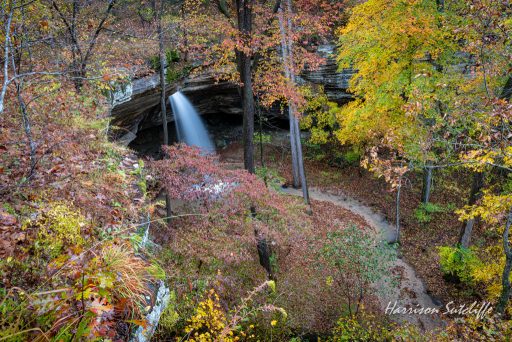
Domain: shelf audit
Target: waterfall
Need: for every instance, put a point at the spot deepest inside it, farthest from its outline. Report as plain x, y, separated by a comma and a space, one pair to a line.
189, 126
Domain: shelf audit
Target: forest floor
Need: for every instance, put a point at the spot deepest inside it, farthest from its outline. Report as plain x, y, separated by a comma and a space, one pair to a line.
419, 241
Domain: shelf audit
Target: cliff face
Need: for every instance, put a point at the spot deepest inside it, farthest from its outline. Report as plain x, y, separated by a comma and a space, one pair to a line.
137, 106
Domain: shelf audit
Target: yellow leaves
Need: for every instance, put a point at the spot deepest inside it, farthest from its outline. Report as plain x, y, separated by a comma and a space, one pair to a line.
60, 226
477, 160
273, 323
209, 321
489, 272
491, 208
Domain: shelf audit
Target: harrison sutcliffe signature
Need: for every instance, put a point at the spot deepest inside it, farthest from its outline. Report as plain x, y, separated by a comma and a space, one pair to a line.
479, 310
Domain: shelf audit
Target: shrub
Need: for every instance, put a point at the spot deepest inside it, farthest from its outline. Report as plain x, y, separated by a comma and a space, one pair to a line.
359, 261
368, 328
270, 177
60, 226
425, 211
459, 262
169, 317
352, 157
209, 321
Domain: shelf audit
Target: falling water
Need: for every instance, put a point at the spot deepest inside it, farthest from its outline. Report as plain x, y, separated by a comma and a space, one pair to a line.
189, 125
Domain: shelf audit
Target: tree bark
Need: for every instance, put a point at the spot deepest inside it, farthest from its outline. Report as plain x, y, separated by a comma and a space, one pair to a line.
397, 208
467, 227
505, 279
506, 93
163, 96
6, 55
299, 173
244, 18
427, 183
27, 127
291, 114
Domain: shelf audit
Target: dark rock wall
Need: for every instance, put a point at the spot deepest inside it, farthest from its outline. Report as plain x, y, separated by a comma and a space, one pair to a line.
137, 107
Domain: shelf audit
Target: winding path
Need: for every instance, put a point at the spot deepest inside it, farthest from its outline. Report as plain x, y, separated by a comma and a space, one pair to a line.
410, 292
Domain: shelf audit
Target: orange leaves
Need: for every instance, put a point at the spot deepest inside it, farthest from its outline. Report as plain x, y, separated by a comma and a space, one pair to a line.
100, 306
43, 25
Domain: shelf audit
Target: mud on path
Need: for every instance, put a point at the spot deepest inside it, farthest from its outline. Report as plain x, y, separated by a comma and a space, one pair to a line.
410, 292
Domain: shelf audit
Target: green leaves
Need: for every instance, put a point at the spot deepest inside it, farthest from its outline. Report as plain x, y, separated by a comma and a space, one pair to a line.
358, 257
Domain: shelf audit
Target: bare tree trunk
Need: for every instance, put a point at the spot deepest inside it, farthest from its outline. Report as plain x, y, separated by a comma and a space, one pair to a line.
184, 32
27, 127
163, 96
505, 279
7, 43
287, 54
467, 227
397, 208
291, 114
300, 161
427, 183
244, 17
506, 93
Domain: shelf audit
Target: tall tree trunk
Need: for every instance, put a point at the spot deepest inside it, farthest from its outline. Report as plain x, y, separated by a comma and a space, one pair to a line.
7, 43
397, 208
474, 196
291, 114
506, 93
244, 19
299, 172
427, 183
163, 96
27, 127
505, 279
244, 16
184, 32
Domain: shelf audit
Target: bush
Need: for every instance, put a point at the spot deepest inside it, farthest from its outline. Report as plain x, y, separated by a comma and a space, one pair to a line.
169, 317
359, 261
425, 211
458, 262
60, 226
270, 177
369, 328
352, 157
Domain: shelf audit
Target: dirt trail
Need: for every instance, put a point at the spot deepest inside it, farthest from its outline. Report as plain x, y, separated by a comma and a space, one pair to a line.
410, 292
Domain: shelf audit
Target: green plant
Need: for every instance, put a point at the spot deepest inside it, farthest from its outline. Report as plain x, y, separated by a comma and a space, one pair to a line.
264, 138
458, 262
60, 226
313, 151
368, 328
172, 56
270, 176
352, 157
169, 317
358, 260
425, 211
12, 316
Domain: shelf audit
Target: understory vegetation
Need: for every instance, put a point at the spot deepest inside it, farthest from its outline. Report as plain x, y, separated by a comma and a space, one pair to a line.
391, 183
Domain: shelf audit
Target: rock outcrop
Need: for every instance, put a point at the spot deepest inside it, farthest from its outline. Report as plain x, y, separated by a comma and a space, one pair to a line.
137, 106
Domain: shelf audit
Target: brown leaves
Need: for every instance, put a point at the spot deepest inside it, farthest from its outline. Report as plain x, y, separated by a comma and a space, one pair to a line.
10, 234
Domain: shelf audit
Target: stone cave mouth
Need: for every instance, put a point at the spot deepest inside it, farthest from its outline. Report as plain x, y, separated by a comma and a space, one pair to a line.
223, 129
